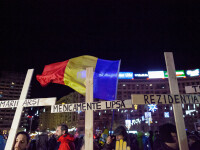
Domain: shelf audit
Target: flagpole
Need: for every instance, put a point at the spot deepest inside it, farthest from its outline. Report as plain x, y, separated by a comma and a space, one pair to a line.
113, 115
89, 113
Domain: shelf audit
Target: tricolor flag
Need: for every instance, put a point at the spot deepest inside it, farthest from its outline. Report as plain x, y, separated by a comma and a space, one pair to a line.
72, 73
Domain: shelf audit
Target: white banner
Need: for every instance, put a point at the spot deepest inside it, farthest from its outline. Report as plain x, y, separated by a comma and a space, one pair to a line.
165, 98
192, 89
102, 105
28, 102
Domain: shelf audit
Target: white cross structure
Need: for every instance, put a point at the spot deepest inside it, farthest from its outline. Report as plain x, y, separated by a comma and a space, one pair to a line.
22, 102
174, 98
89, 106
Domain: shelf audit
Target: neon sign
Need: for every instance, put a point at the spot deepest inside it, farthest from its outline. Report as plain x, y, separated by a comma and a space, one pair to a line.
156, 74
179, 73
192, 73
141, 75
125, 75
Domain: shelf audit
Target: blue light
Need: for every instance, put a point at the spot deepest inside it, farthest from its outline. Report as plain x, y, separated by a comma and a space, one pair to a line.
152, 107
166, 114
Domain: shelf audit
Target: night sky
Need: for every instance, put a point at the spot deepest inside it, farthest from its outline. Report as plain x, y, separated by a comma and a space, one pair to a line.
35, 33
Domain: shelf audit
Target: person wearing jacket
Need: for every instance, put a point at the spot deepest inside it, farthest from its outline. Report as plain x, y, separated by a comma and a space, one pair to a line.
66, 140
52, 143
119, 133
167, 139
42, 141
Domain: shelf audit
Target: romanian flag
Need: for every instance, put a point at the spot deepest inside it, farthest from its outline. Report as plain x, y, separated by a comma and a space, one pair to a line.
72, 73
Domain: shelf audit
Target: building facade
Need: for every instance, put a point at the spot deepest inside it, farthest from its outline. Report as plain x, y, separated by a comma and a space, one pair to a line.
11, 84
49, 121
136, 115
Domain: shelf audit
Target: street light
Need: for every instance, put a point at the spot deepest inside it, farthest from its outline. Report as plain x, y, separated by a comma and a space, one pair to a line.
31, 119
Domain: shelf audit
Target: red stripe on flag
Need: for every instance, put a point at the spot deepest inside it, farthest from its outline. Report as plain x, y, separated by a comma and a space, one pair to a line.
53, 73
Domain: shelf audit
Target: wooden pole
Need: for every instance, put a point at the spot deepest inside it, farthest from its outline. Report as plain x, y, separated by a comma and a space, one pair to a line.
17, 117
178, 112
89, 113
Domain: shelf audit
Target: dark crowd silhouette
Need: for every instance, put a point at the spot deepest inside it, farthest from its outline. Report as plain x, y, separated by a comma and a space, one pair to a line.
163, 139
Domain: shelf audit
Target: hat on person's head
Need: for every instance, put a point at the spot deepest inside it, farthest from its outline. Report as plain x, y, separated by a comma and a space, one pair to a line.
120, 131
165, 131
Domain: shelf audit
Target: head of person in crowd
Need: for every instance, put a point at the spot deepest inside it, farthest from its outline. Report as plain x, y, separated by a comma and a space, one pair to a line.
168, 135
61, 130
120, 133
21, 141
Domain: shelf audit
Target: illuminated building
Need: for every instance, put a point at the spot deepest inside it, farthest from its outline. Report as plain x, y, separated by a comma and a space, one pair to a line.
50, 120
11, 84
141, 84
159, 86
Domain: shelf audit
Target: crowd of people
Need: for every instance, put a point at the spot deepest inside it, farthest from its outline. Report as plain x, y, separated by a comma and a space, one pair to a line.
163, 139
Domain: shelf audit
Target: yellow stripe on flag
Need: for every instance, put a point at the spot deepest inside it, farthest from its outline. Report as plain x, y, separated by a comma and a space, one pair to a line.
75, 72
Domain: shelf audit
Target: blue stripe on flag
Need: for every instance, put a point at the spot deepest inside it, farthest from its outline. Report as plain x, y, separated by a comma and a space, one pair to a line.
106, 79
